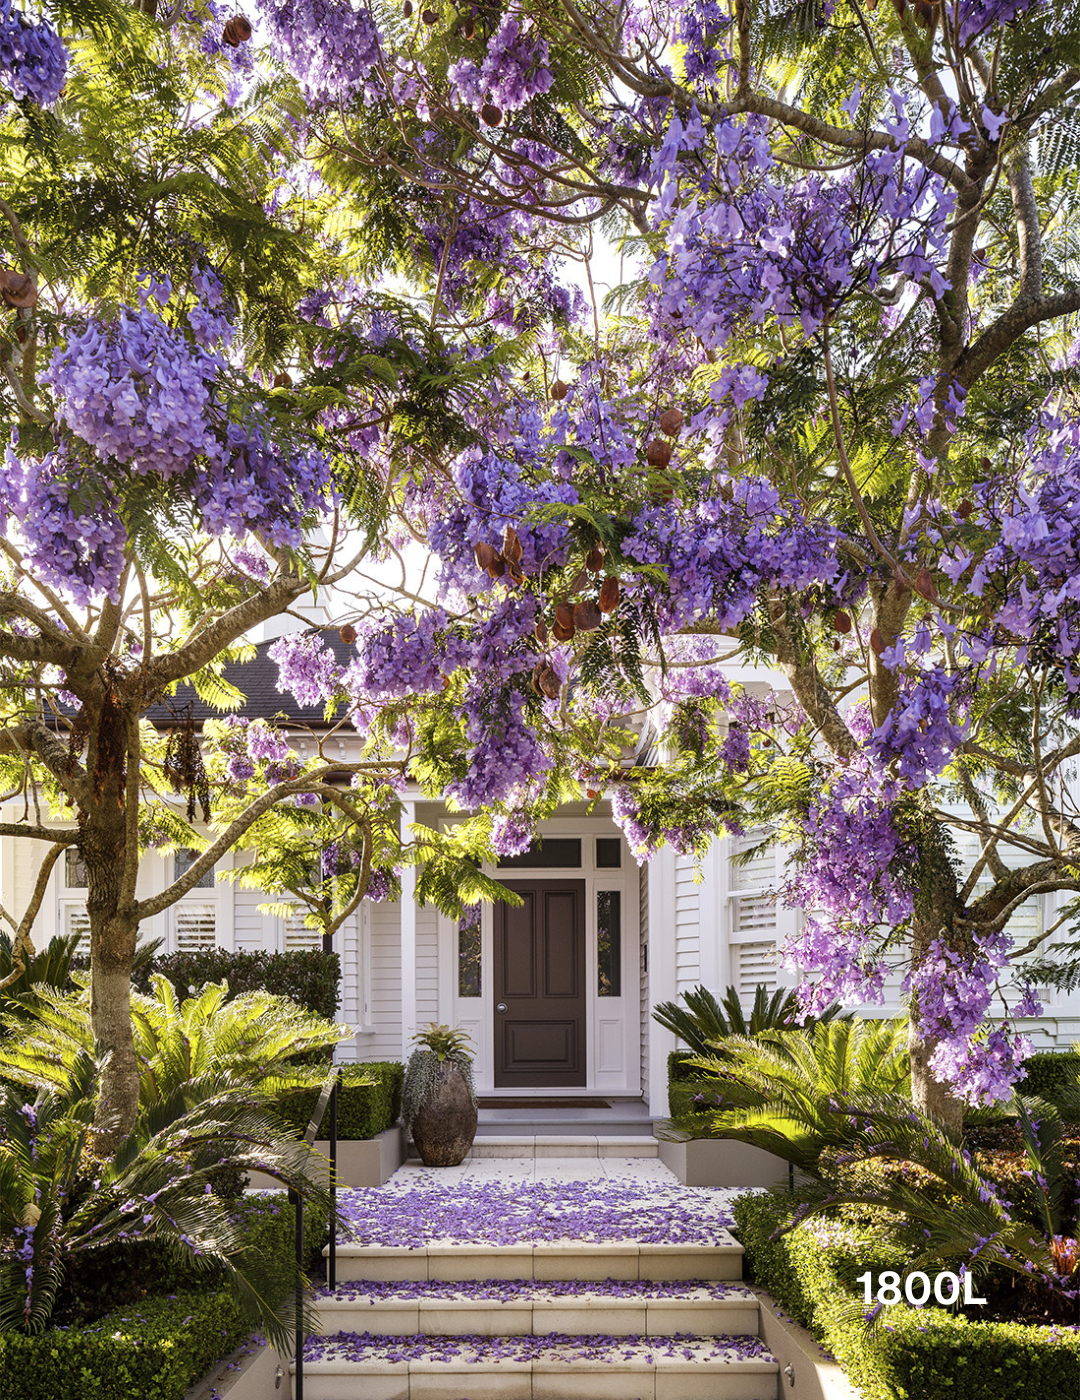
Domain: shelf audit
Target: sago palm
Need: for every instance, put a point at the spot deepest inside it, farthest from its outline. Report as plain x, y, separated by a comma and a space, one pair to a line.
781, 1090
186, 1049
704, 1021
59, 1202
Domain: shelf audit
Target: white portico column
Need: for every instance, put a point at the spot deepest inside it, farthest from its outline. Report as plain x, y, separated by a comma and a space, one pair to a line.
662, 984
408, 939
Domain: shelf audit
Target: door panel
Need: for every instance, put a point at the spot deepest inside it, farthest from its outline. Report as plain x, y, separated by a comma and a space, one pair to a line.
539, 976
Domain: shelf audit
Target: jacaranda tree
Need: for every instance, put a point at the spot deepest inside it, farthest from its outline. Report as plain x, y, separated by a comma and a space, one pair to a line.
828, 422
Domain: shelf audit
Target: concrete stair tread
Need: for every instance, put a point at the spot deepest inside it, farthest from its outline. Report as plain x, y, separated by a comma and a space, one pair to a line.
610, 1308
564, 1145
573, 1259
372, 1366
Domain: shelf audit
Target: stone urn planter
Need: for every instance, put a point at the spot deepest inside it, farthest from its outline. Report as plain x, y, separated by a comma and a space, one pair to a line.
439, 1105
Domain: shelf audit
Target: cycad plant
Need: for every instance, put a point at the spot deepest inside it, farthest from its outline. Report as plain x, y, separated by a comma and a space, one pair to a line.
781, 1090
186, 1049
704, 1021
60, 1202
947, 1211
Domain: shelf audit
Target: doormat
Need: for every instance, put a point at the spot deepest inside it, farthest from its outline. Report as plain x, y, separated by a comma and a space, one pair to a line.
543, 1103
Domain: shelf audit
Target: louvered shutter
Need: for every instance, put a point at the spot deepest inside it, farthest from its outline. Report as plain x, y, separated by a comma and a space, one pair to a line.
297, 937
77, 921
754, 918
196, 927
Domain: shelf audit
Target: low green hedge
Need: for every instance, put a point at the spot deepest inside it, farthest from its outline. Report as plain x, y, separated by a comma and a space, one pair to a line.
158, 1347
153, 1350
911, 1353
364, 1111
1049, 1073
309, 976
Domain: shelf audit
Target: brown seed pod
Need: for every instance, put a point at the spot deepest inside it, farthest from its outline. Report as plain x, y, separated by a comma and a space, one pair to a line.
283, 380
965, 508
406, 9
925, 585
561, 633
511, 546
986, 464
658, 453
515, 574
837, 644
564, 617
536, 670
587, 616
430, 17
559, 390
540, 631
468, 29
902, 585
550, 684
486, 554
842, 622
348, 635
591, 794
497, 567
877, 641
609, 594
672, 421
16, 289
595, 561
581, 578
236, 32
491, 115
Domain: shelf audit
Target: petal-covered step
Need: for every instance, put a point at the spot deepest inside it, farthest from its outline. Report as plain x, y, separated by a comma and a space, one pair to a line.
592, 1229
366, 1366
610, 1307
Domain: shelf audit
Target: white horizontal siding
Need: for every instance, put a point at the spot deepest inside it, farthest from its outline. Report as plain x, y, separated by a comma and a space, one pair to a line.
385, 996
427, 966
687, 924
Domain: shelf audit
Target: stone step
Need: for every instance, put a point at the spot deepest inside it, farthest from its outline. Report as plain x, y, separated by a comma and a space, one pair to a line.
570, 1145
610, 1308
721, 1260
555, 1124
366, 1366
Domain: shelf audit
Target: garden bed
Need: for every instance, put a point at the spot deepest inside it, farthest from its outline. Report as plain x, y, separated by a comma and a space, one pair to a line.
915, 1353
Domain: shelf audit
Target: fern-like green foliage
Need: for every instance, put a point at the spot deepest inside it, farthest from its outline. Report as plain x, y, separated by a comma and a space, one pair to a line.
186, 1049
781, 1089
58, 1200
704, 1022
950, 1211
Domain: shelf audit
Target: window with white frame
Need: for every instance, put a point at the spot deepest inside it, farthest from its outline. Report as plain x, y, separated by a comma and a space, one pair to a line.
195, 923
73, 920
754, 915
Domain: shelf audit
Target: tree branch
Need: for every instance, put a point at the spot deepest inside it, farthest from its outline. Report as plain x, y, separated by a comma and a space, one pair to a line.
1024, 313
34, 737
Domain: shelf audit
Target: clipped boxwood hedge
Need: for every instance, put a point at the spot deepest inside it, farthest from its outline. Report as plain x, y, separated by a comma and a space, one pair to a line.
1049, 1073
309, 977
912, 1353
156, 1349
364, 1111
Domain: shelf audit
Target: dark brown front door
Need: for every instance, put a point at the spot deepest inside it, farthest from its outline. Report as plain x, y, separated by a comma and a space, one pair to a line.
540, 986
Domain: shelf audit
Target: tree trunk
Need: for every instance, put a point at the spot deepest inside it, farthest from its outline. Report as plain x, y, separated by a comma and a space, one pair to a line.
112, 951
936, 906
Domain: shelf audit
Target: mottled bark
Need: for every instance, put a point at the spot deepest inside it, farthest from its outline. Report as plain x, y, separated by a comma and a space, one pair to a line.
936, 909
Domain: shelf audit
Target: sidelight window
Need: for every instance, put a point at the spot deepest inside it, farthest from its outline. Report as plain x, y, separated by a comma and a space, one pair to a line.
609, 942
469, 954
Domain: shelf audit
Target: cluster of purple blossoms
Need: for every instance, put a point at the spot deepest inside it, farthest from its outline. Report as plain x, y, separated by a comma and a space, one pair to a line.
506, 754
513, 70
330, 48
33, 59
307, 668
919, 735
407, 656
848, 875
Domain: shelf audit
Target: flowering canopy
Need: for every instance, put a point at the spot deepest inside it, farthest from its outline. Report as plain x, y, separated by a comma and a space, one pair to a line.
829, 425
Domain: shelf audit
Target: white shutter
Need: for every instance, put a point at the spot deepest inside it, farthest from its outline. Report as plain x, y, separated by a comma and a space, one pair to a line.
196, 927
754, 917
77, 921
297, 936
753, 965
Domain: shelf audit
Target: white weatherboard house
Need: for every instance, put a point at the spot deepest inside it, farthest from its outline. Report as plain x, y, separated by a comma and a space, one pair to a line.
556, 994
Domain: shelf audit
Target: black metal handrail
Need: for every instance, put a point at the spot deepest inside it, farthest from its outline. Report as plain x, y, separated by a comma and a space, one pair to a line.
328, 1101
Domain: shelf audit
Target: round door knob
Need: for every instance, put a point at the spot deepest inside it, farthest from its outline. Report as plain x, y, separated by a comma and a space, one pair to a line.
501, 1006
